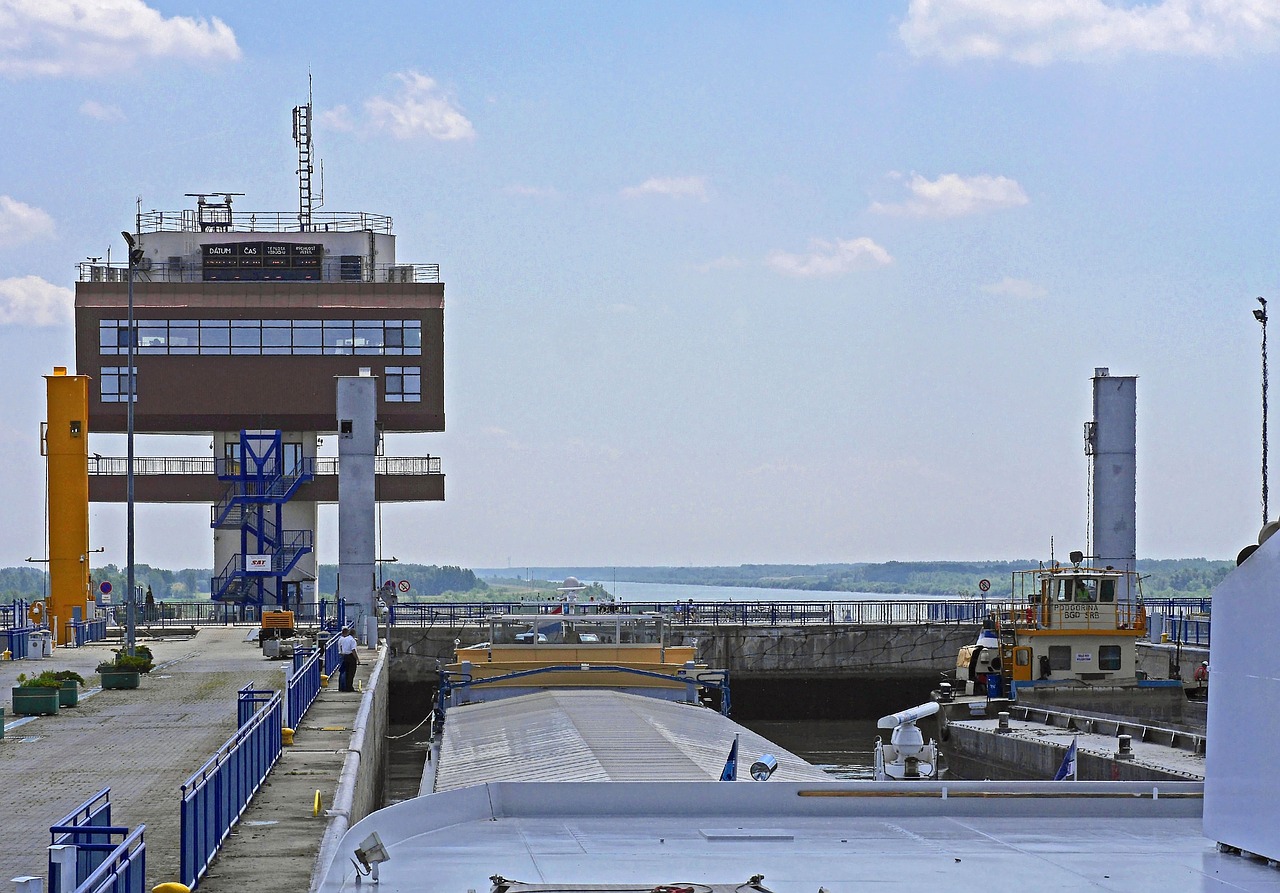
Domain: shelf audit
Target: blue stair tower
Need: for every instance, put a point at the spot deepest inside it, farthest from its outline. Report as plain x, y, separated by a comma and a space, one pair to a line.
259, 485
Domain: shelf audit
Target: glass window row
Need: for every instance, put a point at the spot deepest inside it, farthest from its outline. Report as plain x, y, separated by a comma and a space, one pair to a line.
259, 337
401, 384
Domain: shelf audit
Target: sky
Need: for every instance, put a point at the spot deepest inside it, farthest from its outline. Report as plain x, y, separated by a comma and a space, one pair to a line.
726, 282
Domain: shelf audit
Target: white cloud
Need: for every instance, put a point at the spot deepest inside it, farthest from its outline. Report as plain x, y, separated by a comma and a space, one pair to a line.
30, 301
91, 108
728, 262
1022, 289
674, 187
93, 37
337, 118
830, 258
1039, 32
420, 109
952, 195
21, 222
531, 191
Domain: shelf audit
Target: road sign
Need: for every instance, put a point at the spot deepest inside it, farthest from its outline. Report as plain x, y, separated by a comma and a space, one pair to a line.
105, 587
404, 585
984, 585
389, 584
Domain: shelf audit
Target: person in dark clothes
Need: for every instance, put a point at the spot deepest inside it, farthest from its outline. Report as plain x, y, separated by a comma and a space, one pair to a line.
347, 645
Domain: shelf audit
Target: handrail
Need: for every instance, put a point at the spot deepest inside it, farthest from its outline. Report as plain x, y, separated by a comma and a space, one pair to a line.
217, 794
303, 685
267, 222
123, 870
207, 465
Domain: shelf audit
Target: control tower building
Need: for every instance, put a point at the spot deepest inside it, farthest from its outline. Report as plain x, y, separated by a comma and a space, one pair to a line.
242, 322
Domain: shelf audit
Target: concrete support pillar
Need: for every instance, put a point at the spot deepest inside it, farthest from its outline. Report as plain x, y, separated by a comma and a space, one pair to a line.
1112, 443
357, 447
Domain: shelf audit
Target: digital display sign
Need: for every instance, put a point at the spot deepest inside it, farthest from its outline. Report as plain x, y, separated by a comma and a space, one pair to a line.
260, 261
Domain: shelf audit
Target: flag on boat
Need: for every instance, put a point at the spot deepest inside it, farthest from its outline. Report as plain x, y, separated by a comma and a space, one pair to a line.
1068, 767
730, 772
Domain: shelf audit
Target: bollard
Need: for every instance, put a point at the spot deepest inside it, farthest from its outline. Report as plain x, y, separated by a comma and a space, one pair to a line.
1126, 747
1003, 728
286, 737
171, 887
316, 805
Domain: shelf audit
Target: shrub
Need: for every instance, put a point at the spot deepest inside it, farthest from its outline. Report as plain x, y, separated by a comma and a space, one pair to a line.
47, 679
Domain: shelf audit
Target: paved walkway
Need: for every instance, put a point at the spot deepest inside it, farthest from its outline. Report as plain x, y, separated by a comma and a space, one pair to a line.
142, 744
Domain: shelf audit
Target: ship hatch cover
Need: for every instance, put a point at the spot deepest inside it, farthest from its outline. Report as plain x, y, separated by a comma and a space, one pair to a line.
503, 885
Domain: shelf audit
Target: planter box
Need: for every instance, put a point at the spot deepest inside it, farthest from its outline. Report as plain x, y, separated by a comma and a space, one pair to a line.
120, 678
69, 694
35, 701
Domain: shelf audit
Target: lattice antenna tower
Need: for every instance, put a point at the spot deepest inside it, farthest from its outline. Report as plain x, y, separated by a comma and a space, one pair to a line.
302, 127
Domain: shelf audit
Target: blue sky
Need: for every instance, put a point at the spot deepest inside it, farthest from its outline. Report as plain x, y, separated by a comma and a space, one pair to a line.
726, 282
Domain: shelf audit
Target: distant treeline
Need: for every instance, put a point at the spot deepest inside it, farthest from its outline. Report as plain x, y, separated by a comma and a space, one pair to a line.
1162, 578
193, 583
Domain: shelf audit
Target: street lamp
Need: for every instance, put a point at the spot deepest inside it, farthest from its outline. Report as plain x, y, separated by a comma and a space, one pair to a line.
1261, 316
131, 608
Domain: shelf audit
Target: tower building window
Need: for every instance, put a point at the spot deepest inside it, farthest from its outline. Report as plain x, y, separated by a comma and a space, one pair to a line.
115, 384
404, 384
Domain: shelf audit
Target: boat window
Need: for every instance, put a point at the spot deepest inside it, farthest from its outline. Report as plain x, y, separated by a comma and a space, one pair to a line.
1107, 592
1086, 590
1064, 591
1060, 657
1022, 657
1109, 657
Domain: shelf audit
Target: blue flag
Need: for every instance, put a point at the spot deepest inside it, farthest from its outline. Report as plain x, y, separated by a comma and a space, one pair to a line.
730, 772
1068, 767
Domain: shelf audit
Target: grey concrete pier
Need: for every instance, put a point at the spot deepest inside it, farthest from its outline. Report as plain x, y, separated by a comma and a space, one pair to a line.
142, 744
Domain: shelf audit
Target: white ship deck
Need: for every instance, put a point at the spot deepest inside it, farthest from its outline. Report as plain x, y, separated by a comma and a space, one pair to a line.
842, 836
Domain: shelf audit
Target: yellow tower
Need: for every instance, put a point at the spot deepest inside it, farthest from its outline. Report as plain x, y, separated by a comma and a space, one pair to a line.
64, 440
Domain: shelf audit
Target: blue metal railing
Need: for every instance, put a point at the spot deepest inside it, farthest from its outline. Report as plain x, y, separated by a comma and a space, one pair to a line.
331, 656
1187, 631
214, 798
88, 828
124, 869
82, 632
303, 685
865, 613
18, 639
248, 701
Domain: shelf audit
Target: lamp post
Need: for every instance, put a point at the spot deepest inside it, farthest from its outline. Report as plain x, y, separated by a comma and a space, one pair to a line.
1261, 316
131, 606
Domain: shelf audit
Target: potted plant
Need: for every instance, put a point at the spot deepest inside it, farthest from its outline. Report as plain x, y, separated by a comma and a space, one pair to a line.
36, 695
127, 669
69, 691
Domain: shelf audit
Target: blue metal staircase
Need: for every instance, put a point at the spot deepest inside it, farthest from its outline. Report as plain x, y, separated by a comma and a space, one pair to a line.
259, 485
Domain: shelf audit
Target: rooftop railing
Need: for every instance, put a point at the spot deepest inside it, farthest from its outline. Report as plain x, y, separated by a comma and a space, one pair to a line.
188, 221
189, 269
201, 465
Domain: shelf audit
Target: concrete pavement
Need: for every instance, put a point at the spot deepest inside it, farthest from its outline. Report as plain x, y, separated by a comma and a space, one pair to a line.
142, 744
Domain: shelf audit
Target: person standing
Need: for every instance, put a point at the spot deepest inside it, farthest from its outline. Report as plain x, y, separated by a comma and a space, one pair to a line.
348, 659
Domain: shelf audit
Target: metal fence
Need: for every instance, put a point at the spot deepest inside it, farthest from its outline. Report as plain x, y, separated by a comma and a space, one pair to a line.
303, 685
330, 651
82, 632
17, 641
214, 798
124, 869
88, 830
859, 613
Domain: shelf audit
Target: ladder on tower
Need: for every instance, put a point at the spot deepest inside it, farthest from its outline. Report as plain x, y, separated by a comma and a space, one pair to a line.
302, 136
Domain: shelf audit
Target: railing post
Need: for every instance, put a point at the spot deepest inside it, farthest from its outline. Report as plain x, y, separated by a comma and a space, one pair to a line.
26, 884
63, 857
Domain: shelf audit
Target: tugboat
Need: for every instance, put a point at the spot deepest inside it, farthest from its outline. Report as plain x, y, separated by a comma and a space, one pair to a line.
1062, 624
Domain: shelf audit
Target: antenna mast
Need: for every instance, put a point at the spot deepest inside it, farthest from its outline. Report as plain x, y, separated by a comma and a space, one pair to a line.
302, 136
